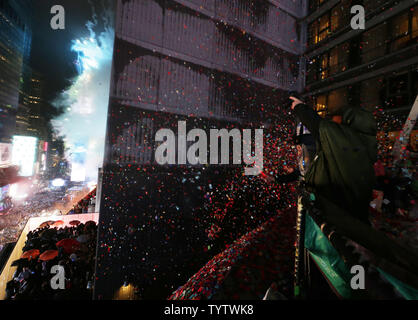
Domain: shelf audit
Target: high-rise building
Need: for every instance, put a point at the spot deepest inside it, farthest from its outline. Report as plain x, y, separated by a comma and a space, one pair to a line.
214, 64
15, 44
22, 114
36, 103
30, 118
374, 68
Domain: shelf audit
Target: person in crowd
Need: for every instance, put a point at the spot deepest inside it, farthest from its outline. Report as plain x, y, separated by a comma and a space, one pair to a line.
346, 149
32, 278
336, 157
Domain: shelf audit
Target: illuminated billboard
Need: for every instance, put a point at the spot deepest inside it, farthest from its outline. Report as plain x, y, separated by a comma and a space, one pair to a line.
24, 154
78, 163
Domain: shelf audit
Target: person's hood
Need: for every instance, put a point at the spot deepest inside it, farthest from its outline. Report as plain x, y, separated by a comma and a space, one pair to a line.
360, 120
363, 122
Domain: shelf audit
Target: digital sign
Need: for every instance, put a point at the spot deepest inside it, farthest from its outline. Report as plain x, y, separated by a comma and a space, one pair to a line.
78, 167
24, 154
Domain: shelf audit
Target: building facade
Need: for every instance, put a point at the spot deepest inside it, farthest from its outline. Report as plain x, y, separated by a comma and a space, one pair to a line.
375, 68
36, 104
31, 121
15, 43
22, 114
212, 63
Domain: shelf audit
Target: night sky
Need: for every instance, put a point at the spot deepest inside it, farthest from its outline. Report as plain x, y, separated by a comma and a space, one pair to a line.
51, 49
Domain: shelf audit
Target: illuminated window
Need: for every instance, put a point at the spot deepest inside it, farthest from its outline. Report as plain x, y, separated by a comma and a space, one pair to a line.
331, 101
321, 105
324, 27
329, 63
403, 30
335, 18
326, 24
333, 61
324, 66
313, 33
400, 25
319, 30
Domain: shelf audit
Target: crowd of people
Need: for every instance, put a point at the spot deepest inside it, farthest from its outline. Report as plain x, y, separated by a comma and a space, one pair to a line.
398, 187
12, 224
86, 205
72, 247
249, 265
245, 203
394, 209
235, 209
43, 203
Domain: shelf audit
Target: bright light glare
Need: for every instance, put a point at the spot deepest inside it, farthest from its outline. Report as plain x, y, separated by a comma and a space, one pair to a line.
15, 194
91, 185
87, 100
78, 172
58, 182
23, 155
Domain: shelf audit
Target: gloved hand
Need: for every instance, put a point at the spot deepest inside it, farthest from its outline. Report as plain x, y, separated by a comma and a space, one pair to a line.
293, 96
295, 102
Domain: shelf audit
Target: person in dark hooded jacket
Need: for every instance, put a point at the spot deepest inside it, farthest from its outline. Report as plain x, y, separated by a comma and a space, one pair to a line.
346, 149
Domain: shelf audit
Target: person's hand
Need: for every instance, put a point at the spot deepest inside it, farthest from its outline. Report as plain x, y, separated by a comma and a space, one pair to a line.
266, 178
295, 102
288, 170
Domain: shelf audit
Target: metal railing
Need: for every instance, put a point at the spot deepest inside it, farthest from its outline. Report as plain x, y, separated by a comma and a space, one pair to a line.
384, 253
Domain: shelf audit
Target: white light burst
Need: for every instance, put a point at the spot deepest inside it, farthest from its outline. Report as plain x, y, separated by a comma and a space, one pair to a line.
86, 100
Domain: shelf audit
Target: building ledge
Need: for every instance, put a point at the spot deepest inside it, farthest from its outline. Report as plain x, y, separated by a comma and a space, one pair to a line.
214, 16
332, 84
171, 109
321, 10
200, 62
282, 5
405, 55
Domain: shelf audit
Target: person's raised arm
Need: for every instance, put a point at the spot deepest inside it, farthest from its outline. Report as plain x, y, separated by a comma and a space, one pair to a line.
306, 115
